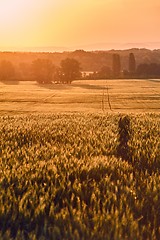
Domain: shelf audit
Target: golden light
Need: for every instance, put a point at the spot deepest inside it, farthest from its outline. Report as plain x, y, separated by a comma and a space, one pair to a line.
70, 23
12, 13
22, 22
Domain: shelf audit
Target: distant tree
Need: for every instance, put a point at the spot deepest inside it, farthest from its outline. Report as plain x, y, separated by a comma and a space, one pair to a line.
25, 71
43, 70
154, 69
116, 65
148, 70
104, 73
132, 63
70, 69
142, 69
58, 75
7, 70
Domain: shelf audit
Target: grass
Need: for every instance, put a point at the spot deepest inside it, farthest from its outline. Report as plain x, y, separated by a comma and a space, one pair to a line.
61, 177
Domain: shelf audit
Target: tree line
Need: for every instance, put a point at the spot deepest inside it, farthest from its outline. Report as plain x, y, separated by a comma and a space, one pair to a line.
44, 71
143, 70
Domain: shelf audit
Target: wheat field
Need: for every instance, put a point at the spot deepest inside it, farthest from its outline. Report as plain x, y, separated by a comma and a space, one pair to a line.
80, 161
81, 96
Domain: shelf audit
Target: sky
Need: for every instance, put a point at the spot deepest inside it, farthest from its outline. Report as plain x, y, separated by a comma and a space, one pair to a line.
79, 23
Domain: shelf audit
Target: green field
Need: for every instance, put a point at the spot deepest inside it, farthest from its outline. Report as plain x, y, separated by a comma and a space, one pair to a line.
62, 172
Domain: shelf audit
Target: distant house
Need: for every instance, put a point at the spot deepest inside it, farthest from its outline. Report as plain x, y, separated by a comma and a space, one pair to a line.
86, 73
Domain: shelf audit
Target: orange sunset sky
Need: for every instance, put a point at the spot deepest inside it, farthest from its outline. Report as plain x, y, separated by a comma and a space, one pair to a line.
73, 23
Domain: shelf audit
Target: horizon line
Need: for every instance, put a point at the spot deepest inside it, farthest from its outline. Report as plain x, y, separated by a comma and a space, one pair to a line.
108, 46
74, 50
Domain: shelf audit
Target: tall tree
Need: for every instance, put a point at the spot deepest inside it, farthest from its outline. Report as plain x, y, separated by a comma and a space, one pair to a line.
70, 69
7, 70
116, 65
132, 63
43, 70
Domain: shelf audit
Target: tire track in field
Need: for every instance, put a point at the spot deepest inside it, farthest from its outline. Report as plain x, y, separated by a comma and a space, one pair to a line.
49, 97
37, 102
106, 94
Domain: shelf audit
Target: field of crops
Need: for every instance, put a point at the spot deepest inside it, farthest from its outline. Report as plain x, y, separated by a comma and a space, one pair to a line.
62, 177
116, 95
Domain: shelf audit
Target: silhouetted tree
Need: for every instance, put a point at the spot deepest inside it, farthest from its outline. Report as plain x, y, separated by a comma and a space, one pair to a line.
104, 73
25, 71
7, 70
154, 69
58, 75
116, 65
148, 70
70, 70
43, 70
132, 63
142, 69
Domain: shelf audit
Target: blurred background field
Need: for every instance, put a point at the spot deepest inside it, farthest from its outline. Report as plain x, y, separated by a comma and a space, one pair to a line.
81, 96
